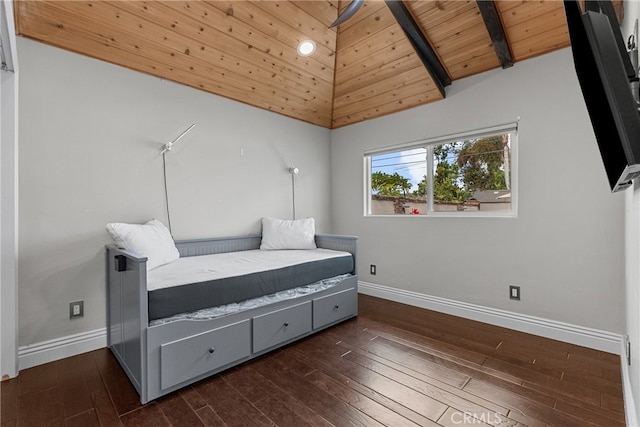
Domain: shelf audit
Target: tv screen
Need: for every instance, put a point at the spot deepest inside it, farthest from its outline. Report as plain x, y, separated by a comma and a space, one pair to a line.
607, 93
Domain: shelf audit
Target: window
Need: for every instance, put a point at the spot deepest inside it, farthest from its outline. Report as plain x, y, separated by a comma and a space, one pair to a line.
465, 174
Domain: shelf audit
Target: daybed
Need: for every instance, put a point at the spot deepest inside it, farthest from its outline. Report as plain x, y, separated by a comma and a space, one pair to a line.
169, 350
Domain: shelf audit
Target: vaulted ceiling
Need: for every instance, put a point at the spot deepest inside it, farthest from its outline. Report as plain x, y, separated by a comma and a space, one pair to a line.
246, 50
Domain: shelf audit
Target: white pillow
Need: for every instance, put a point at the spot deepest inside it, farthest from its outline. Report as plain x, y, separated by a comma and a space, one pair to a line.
288, 234
152, 240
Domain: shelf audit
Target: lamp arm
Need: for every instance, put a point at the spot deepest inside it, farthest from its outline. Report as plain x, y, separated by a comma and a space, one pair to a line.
169, 145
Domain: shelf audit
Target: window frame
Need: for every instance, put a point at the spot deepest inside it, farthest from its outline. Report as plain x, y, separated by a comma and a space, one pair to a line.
428, 144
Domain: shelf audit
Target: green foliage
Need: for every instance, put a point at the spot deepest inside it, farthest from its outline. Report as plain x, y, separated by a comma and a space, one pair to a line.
478, 166
442, 151
445, 184
422, 188
481, 163
385, 184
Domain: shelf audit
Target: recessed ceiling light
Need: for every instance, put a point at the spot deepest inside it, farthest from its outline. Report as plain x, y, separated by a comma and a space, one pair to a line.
306, 47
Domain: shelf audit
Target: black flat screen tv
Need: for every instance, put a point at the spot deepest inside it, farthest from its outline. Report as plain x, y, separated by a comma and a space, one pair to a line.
607, 94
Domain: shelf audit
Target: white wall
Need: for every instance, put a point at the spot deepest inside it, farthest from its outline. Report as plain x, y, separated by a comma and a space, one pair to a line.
565, 249
9, 199
632, 256
90, 141
8, 223
632, 296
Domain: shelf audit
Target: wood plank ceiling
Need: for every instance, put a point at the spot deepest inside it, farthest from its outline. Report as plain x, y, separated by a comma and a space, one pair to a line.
246, 50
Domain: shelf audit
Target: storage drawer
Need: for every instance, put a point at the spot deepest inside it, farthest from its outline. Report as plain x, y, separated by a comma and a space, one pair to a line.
190, 357
334, 307
280, 326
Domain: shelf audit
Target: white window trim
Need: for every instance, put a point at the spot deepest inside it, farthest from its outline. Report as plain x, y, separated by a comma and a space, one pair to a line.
504, 128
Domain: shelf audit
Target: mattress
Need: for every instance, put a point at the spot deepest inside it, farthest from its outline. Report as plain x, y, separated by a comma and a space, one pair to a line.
249, 304
193, 283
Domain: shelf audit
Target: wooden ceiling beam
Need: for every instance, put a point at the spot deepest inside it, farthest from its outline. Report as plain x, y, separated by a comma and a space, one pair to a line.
498, 36
423, 48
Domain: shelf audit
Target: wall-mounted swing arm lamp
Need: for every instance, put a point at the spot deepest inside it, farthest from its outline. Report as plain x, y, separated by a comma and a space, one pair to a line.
169, 145
294, 172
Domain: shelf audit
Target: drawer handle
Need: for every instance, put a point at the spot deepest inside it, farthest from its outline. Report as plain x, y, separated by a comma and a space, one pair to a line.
286, 324
211, 350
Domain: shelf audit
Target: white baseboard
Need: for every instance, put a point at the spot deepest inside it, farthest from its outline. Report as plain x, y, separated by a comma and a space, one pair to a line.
629, 403
574, 334
59, 348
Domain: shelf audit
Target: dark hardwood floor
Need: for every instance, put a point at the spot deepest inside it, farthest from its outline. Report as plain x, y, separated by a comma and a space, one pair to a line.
394, 365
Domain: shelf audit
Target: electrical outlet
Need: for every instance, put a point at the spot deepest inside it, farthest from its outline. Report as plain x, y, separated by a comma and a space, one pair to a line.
372, 269
76, 309
514, 292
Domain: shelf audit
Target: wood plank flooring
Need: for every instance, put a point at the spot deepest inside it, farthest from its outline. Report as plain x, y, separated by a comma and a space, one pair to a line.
394, 365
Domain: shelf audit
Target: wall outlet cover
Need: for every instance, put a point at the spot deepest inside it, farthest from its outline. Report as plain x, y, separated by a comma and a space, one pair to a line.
76, 309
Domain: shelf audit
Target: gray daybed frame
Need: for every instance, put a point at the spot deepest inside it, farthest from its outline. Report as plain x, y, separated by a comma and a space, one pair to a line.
163, 358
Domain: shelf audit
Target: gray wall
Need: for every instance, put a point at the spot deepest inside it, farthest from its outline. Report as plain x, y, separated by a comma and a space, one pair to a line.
90, 141
565, 249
